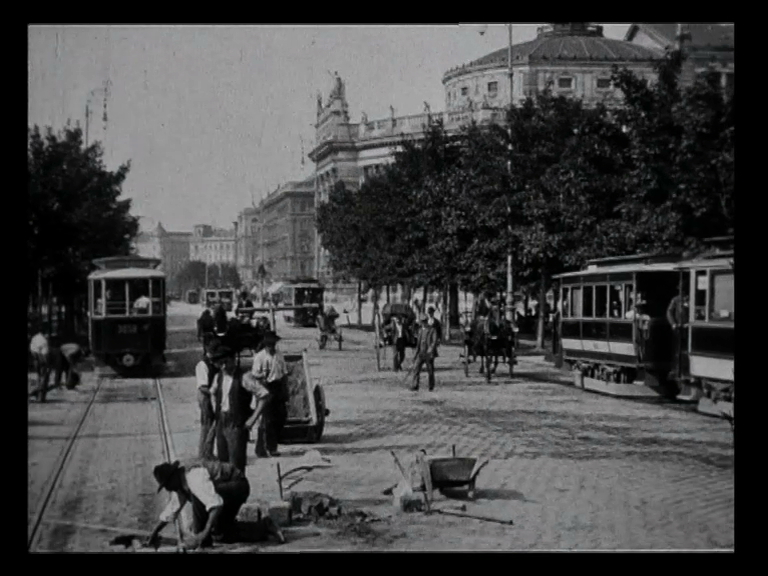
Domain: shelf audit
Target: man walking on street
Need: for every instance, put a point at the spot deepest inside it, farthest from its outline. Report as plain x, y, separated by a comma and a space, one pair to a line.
432, 321
267, 382
398, 337
426, 350
234, 402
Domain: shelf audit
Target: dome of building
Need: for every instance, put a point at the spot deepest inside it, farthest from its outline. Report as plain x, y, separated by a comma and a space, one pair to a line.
578, 46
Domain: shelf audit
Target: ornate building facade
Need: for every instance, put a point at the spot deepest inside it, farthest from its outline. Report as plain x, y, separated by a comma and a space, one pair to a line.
278, 234
572, 59
212, 245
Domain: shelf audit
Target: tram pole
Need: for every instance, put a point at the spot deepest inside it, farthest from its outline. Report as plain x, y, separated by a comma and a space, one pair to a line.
510, 286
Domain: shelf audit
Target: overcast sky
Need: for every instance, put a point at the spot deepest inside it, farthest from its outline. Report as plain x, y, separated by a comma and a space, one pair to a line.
210, 116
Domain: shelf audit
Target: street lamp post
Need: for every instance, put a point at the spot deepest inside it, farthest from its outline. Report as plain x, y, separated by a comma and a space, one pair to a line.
510, 291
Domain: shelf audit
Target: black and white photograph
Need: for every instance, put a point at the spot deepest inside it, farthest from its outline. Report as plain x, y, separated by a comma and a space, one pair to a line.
463, 287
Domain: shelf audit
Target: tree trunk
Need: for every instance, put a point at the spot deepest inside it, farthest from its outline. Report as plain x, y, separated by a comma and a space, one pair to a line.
376, 295
453, 307
445, 305
424, 299
542, 303
359, 303
387, 293
407, 293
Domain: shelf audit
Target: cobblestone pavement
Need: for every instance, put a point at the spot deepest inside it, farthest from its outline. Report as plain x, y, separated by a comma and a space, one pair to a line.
573, 470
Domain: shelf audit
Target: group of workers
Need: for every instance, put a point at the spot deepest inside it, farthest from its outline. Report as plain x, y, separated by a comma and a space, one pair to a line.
429, 335
233, 402
48, 356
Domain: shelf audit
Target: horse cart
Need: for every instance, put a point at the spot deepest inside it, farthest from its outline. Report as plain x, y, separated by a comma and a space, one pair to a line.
489, 337
327, 329
306, 405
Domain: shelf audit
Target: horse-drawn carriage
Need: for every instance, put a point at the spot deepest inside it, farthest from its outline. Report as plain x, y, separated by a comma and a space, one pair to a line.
326, 326
489, 335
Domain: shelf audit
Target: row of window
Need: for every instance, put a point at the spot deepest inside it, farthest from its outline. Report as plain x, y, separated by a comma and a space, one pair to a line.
714, 299
563, 83
128, 297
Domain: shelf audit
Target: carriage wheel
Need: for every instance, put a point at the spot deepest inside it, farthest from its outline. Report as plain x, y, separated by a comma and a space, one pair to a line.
466, 359
323, 340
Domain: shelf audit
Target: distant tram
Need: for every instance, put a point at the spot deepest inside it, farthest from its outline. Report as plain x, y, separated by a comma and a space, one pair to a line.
308, 294
127, 312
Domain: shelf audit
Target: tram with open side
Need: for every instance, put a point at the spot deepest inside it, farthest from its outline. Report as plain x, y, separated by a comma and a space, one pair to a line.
127, 312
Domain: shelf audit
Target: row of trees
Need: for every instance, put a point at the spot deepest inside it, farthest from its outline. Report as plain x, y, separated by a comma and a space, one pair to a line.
75, 214
651, 176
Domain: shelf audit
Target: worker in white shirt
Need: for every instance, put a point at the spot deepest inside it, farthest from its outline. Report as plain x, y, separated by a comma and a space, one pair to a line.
216, 490
267, 382
41, 355
398, 342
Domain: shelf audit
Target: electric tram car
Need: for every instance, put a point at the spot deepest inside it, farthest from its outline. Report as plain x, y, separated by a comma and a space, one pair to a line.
614, 333
127, 312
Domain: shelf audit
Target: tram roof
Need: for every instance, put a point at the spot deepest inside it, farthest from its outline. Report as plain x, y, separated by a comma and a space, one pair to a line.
593, 269
126, 274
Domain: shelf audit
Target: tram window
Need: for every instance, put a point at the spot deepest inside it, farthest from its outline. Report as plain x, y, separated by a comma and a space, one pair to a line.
576, 302
98, 299
616, 300
601, 301
588, 309
565, 304
117, 305
700, 296
157, 296
722, 303
138, 292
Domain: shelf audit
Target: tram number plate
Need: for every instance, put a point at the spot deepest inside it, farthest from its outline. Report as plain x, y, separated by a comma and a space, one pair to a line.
127, 329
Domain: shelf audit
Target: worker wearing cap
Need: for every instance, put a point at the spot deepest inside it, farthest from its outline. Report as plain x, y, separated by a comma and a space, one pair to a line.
234, 408
267, 382
426, 350
216, 490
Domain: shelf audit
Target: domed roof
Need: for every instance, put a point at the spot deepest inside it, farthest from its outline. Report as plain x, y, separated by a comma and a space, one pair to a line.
565, 42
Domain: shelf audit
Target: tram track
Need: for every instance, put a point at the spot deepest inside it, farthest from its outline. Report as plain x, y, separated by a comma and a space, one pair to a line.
53, 486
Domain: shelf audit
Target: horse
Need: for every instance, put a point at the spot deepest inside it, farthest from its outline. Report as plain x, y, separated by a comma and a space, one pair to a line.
491, 336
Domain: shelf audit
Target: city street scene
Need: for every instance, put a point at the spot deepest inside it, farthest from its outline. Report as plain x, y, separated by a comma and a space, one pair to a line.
496, 315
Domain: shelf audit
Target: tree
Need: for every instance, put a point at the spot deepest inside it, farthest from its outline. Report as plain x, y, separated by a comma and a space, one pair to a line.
194, 275
75, 213
680, 185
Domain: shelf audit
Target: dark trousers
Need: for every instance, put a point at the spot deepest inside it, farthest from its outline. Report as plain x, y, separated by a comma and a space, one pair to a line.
64, 365
399, 353
273, 419
207, 426
232, 441
234, 493
43, 369
429, 362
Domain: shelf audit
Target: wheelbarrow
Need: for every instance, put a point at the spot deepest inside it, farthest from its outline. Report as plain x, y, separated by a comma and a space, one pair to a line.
452, 473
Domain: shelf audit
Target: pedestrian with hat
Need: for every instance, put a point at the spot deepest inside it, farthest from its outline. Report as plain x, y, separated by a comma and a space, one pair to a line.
234, 408
216, 491
426, 350
267, 382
